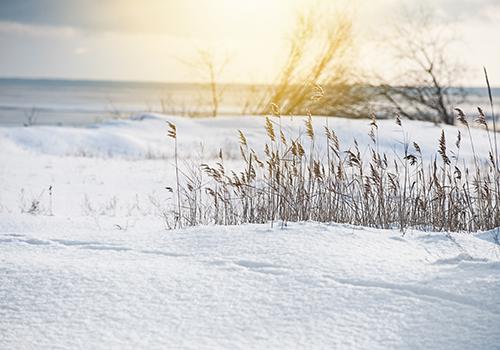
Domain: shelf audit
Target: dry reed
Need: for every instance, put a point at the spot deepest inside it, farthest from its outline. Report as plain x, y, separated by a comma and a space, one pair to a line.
292, 184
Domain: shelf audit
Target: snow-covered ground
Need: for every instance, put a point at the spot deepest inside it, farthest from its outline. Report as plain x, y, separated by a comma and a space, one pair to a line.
93, 267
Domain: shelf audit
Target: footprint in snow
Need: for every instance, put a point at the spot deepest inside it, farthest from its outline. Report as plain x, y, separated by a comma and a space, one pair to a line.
92, 245
419, 291
71, 243
261, 267
33, 241
106, 247
13, 234
162, 253
462, 257
30, 241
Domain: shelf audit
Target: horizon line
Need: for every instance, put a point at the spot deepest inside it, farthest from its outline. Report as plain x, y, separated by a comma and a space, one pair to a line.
160, 82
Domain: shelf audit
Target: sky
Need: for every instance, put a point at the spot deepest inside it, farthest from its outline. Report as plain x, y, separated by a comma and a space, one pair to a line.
151, 40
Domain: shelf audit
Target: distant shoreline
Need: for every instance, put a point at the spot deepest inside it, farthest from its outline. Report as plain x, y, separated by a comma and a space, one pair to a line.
155, 83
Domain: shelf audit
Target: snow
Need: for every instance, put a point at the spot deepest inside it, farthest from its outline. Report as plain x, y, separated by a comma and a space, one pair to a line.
144, 136
94, 268
308, 286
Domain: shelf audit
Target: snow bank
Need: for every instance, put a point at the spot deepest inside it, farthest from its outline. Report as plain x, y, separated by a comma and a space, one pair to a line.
309, 286
144, 136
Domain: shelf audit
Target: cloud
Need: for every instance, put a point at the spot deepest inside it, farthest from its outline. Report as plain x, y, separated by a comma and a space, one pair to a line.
465, 10
15, 28
146, 16
36, 12
188, 18
89, 15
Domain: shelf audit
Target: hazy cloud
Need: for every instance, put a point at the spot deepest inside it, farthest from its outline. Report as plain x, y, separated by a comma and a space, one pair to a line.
177, 17
105, 39
97, 15
471, 9
16, 28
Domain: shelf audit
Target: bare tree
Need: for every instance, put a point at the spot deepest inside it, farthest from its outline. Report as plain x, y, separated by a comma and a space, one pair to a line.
210, 69
428, 85
31, 116
318, 75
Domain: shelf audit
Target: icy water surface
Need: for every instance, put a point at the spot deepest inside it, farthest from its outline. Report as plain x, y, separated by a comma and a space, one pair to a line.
75, 102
